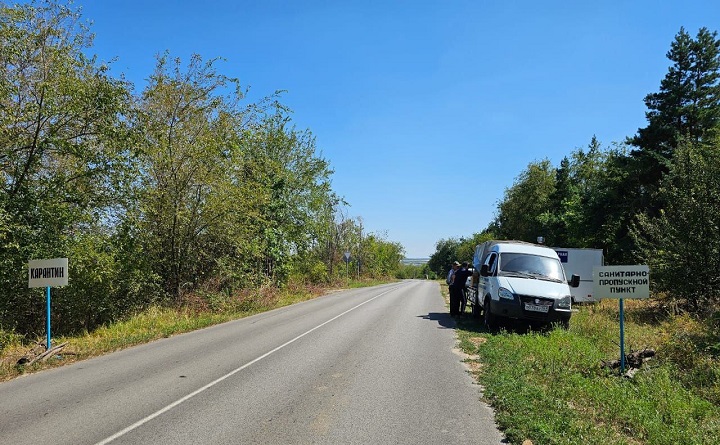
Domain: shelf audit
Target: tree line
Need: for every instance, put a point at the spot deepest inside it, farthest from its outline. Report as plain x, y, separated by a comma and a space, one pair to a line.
184, 188
652, 199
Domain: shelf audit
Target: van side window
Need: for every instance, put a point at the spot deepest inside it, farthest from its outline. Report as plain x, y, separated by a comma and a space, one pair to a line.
491, 262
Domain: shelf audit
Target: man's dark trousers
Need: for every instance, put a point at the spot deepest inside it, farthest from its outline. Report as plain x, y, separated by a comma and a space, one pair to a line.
455, 299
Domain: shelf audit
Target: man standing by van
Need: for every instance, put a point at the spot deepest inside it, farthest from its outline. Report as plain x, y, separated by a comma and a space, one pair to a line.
451, 273
450, 280
456, 289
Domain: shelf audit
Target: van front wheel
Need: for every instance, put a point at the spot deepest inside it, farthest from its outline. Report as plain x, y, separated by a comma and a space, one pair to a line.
476, 311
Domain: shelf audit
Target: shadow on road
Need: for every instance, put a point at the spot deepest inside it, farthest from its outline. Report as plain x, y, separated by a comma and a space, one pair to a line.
442, 318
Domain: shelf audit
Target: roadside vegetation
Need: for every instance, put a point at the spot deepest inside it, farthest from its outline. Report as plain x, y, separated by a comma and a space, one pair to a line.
552, 386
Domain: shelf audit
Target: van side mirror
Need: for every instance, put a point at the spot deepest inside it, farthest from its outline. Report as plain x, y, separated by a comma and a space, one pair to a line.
574, 280
484, 270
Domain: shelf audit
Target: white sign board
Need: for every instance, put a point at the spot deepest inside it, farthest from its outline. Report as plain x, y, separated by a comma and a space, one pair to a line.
621, 282
48, 273
580, 262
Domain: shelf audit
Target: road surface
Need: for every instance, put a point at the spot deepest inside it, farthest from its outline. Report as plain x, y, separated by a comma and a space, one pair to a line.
364, 366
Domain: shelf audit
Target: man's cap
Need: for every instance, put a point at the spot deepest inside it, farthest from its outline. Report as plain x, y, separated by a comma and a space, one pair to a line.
456, 263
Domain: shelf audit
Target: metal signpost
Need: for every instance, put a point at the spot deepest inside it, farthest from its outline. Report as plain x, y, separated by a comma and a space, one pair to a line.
621, 282
347, 265
48, 273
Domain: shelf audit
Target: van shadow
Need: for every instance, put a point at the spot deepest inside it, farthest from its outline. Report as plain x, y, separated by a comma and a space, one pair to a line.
468, 323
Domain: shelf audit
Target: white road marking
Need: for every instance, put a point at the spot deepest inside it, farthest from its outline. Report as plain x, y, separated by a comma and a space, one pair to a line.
145, 420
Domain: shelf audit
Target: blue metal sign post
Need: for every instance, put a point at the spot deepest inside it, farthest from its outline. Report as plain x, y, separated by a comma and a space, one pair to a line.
47, 324
622, 336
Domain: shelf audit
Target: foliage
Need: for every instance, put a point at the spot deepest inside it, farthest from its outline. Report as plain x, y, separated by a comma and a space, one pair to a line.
519, 212
61, 133
381, 257
576, 181
415, 271
186, 130
687, 105
292, 192
456, 249
444, 255
682, 244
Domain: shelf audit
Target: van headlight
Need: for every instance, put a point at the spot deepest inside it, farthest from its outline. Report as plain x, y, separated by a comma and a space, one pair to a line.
564, 302
506, 294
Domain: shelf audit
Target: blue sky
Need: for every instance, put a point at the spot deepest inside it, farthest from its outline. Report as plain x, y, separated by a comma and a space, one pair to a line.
426, 110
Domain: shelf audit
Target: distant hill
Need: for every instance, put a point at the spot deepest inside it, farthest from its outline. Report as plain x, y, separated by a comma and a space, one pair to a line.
415, 261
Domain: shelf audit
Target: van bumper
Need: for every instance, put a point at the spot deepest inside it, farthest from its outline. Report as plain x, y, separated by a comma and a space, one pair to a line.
521, 307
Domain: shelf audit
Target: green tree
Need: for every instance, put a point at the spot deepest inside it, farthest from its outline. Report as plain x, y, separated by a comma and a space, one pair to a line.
230, 194
561, 207
688, 103
444, 255
568, 217
456, 249
293, 191
601, 213
61, 132
687, 106
381, 258
519, 212
337, 234
682, 244
188, 125
466, 249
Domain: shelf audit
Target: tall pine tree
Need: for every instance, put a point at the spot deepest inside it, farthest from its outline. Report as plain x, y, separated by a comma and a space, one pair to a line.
687, 105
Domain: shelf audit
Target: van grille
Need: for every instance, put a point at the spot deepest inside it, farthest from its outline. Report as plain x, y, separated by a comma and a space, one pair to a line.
537, 301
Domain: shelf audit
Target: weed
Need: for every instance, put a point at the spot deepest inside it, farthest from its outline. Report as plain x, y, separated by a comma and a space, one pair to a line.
550, 387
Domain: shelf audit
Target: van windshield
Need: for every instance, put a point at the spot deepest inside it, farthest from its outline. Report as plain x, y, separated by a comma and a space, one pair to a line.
531, 265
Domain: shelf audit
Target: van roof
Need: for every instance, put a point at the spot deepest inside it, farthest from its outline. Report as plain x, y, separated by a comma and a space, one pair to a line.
521, 247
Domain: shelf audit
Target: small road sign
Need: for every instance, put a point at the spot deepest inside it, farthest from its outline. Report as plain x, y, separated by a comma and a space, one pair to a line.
621, 282
48, 273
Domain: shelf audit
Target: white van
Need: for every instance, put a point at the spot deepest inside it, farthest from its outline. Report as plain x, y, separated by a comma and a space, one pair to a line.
521, 280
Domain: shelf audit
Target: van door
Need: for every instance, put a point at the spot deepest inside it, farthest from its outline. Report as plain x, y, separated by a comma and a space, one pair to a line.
489, 282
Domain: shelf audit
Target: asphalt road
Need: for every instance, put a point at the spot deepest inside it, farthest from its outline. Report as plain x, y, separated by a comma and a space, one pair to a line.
365, 366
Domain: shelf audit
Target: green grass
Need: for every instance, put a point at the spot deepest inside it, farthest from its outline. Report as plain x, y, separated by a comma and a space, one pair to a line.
551, 388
